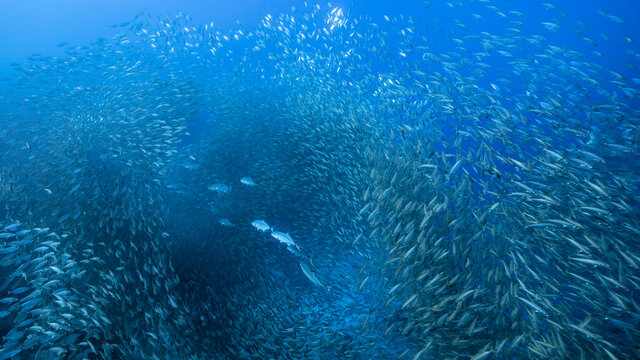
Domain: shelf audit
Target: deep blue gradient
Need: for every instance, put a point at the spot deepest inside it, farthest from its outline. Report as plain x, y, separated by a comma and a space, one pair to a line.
141, 144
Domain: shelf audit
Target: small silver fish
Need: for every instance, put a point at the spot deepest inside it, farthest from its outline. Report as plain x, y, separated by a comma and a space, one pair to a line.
247, 181
283, 237
219, 187
225, 222
13, 227
260, 225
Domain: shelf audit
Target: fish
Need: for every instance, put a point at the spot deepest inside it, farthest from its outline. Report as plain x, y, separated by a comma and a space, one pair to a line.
464, 192
311, 276
19, 290
247, 181
294, 250
8, 250
219, 188
225, 222
13, 227
22, 232
261, 225
284, 238
9, 354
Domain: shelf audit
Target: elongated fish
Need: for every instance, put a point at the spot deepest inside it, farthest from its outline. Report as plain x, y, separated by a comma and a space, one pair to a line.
311, 276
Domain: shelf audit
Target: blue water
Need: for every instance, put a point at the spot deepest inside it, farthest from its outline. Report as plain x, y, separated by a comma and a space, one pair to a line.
126, 127
38, 26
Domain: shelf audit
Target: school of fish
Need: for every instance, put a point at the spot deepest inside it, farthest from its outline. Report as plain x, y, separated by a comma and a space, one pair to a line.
325, 186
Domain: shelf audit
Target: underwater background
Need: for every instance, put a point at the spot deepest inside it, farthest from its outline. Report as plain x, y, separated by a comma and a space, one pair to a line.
313, 180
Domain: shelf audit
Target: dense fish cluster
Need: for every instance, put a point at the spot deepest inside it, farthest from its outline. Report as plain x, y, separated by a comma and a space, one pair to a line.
325, 186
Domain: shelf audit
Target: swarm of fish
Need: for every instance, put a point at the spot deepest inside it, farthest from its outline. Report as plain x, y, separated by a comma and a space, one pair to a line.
464, 193
286, 239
